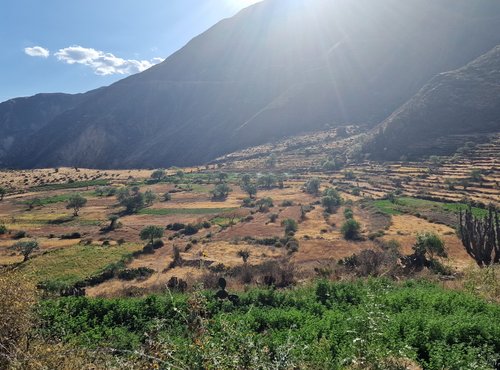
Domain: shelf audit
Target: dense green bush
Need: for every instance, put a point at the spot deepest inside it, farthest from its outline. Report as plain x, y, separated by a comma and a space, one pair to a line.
350, 229
329, 326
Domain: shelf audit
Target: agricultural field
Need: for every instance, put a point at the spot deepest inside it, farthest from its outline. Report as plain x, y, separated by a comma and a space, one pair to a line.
278, 234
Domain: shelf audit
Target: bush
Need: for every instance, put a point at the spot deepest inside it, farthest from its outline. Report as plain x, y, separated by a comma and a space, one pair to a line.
348, 214
74, 235
20, 234
3, 229
331, 200
290, 225
312, 186
16, 316
190, 230
137, 273
175, 226
350, 229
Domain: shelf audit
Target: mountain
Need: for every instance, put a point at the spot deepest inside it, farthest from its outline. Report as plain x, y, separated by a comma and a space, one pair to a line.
277, 68
463, 102
21, 117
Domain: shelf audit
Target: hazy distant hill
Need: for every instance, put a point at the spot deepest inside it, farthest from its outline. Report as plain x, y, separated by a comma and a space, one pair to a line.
461, 102
22, 117
277, 68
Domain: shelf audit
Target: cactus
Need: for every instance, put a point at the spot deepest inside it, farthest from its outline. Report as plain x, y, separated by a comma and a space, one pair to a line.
481, 236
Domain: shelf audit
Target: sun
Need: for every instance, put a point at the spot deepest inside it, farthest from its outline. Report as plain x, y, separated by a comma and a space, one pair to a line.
240, 4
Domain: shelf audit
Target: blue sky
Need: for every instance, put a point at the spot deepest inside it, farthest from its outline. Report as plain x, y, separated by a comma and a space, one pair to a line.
77, 45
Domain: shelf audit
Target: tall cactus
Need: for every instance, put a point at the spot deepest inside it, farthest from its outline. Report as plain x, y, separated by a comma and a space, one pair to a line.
481, 236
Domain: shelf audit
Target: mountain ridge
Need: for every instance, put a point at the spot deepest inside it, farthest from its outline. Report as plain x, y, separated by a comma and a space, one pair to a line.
277, 68
465, 101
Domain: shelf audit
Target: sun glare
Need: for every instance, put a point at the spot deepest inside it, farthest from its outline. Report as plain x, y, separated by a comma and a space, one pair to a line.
241, 3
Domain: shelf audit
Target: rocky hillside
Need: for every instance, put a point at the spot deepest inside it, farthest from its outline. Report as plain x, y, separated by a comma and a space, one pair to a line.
452, 108
276, 69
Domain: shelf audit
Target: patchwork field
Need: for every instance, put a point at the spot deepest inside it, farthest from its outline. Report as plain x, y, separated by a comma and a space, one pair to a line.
205, 236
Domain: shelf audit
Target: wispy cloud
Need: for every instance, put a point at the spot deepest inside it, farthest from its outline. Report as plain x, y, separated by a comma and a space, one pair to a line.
37, 51
102, 63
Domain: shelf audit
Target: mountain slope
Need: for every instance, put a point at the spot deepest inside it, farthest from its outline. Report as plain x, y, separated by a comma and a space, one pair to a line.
21, 117
461, 102
278, 68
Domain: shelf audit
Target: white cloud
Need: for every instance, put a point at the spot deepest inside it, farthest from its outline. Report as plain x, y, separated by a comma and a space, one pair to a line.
37, 51
102, 63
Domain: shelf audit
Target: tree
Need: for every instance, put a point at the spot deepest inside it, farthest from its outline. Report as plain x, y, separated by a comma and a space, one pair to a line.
245, 179
350, 229
264, 204
312, 186
76, 202
180, 174
331, 200
244, 254
3, 192
26, 248
267, 181
250, 189
429, 243
149, 197
221, 191
290, 225
151, 233
481, 236
222, 177
158, 175
132, 200
113, 219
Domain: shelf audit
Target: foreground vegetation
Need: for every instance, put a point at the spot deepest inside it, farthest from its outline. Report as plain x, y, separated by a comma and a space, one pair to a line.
366, 324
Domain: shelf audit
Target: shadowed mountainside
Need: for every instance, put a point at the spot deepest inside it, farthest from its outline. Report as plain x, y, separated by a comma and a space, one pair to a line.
462, 102
276, 69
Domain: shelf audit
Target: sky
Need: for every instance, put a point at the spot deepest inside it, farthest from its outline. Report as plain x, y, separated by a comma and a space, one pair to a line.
73, 46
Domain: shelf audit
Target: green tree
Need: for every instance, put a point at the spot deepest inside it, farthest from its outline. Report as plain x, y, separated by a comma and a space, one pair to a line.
158, 175
264, 204
429, 244
151, 233
131, 199
222, 177
312, 186
149, 197
250, 189
267, 181
221, 191
3, 192
290, 225
350, 229
26, 248
331, 200
245, 179
76, 202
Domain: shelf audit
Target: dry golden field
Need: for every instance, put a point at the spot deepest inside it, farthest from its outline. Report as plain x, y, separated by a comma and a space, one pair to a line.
426, 202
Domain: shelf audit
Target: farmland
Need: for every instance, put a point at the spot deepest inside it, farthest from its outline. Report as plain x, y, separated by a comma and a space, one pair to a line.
259, 220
